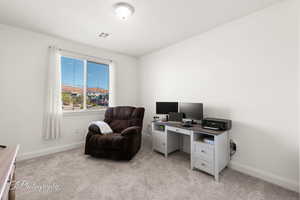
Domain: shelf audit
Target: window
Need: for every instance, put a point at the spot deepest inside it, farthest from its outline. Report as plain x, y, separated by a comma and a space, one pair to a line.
85, 84
97, 85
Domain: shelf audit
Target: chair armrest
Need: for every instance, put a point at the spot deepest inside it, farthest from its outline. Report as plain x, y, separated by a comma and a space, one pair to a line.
131, 130
94, 129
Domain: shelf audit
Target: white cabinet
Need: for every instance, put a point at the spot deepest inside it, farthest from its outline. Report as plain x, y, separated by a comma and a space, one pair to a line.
210, 158
158, 141
162, 141
159, 138
203, 156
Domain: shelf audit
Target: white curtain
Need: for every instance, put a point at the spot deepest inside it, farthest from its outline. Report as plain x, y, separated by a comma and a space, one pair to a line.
112, 87
53, 104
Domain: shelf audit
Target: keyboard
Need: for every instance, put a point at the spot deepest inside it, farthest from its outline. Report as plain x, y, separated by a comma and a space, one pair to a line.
187, 125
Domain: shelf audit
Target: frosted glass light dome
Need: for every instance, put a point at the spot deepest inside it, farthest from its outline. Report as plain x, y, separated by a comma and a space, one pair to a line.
123, 10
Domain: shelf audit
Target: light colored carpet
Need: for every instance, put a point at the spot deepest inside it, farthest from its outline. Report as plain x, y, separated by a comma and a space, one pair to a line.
71, 175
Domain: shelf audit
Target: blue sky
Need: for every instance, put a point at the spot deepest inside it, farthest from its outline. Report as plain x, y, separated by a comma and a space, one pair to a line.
72, 73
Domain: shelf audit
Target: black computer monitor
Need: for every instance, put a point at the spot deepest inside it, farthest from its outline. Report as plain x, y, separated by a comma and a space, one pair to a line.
192, 111
166, 107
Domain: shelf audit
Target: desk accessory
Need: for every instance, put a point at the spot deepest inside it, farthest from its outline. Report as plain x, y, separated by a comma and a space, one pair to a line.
187, 124
155, 118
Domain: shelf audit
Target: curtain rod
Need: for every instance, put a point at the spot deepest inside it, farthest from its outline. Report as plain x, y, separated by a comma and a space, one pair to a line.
74, 52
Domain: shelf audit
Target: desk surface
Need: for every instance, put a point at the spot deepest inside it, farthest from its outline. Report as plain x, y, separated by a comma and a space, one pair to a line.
195, 127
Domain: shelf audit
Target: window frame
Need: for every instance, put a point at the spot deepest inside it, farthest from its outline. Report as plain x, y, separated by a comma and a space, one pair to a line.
85, 60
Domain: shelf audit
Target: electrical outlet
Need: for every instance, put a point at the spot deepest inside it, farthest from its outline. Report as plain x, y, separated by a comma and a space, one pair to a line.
233, 147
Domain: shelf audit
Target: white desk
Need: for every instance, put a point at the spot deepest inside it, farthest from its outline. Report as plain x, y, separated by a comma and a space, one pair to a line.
210, 158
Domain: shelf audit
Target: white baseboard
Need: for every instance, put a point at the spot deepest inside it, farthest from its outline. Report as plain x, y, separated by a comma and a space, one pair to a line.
266, 176
35, 154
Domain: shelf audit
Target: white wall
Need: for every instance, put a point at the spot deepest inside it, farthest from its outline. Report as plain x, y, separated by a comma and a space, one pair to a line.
23, 64
298, 6
246, 71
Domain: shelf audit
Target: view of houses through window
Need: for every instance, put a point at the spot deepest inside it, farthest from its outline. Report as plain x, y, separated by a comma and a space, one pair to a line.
79, 92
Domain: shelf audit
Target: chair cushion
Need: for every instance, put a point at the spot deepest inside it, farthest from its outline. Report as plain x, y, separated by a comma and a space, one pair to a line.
107, 141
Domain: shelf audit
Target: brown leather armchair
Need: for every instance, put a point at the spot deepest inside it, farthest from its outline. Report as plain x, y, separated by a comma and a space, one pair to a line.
125, 142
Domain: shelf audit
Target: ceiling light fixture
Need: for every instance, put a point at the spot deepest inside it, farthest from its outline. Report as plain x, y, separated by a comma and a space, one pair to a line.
123, 10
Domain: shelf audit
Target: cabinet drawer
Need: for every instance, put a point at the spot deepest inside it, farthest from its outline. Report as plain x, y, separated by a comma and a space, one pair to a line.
158, 141
203, 165
205, 156
204, 145
159, 147
179, 130
159, 135
203, 149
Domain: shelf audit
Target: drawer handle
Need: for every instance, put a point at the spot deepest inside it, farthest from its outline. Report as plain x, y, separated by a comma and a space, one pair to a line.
202, 164
202, 151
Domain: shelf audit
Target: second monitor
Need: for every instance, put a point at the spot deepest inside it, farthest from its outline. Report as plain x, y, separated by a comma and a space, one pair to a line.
193, 111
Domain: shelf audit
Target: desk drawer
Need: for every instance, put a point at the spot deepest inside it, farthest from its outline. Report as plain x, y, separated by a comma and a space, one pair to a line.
203, 165
202, 148
158, 141
203, 151
179, 130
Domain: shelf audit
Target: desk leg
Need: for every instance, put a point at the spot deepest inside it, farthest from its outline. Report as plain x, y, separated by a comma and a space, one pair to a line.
217, 177
166, 143
166, 148
192, 150
216, 170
